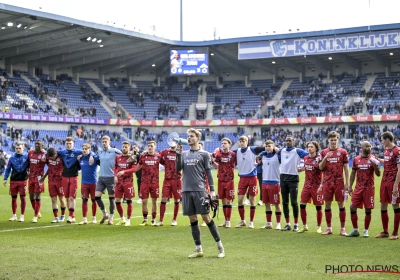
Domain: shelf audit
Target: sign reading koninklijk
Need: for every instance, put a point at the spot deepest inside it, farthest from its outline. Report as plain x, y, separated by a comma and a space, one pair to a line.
320, 45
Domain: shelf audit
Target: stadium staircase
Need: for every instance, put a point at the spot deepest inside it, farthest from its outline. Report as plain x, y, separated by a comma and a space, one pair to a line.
369, 82
277, 97
26, 79
367, 86
105, 100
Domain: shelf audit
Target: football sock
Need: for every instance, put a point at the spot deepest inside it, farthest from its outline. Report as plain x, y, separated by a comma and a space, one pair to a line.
354, 219
38, 203
385, 220
94, 207
84, 207
303, 213
328, 217
241, 212
342, 216
163, 206
176, 209
196, 233
396, 220
119, 209
130, 208
112, 204
23, 204
319, 215
14, 204
252, 212
228, 212
367, 220
214, 231
268, 215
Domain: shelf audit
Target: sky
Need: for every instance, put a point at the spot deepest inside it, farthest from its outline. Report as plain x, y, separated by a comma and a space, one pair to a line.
222, 19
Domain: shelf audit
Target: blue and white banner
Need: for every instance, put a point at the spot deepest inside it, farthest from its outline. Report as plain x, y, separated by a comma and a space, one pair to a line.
320, 45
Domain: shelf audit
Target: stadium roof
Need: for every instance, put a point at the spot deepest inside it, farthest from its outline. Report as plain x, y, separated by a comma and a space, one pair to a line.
42, 39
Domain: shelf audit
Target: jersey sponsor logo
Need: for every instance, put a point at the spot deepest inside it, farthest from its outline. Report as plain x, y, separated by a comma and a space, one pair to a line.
171, 157
191, 161
150, 162
333, 160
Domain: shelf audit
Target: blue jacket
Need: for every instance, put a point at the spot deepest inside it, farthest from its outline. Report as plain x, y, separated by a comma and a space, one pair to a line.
69, 156
89, 174
19, 165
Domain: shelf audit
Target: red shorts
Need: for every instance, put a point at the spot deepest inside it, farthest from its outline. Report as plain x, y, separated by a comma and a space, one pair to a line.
271, 193
248, 183
55, 189
172, 188
17, 187
34, 186
70, 186
331, 190
363, 197
88, 189
386, 192
226, 190
124, 189
145, 189
310, 193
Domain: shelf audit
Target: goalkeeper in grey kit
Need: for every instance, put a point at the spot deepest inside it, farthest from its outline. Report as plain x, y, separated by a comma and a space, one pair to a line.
195, 200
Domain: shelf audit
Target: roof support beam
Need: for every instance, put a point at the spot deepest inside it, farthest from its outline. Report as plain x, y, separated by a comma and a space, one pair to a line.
354, 63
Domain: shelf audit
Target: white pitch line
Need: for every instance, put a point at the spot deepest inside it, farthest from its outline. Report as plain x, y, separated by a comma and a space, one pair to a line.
17, 229
53, 226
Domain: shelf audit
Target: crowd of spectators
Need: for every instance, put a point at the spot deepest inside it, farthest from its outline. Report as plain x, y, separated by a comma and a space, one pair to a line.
86, 112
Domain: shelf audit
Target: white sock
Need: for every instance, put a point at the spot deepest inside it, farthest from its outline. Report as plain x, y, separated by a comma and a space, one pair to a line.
199, 248
219, 243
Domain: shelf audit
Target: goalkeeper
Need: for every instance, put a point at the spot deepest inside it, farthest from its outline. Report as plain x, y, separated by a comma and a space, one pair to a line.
195, 200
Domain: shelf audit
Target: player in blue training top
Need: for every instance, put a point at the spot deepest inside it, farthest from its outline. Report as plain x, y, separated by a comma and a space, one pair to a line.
247, 167
17, 166
88, 184
290, 159
70, 174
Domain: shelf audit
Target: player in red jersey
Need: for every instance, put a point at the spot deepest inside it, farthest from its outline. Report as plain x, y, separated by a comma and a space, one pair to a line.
123, 178
364, 166
172, 186
335, 160
35, 185
149, 162
313, 177
55, 167
225, 161
390, 185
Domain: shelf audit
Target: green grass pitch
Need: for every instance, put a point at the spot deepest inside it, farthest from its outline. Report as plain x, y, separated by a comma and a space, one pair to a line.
61, 251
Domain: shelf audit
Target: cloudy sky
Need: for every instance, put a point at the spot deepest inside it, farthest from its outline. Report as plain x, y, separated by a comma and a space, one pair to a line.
209, 19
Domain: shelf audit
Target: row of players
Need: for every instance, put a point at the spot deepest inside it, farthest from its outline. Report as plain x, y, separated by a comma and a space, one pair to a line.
324, 181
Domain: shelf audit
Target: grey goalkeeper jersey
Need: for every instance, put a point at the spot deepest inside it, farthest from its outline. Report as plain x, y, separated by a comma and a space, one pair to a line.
195, 164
